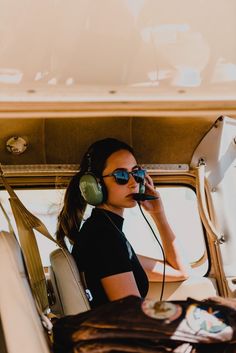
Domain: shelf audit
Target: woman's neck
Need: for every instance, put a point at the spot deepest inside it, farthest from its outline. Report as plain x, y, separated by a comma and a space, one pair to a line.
117, 210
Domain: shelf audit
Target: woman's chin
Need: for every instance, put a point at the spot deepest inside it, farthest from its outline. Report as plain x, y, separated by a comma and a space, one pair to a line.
131, 203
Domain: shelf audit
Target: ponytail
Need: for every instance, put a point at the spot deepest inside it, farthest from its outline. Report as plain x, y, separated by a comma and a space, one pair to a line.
71, 215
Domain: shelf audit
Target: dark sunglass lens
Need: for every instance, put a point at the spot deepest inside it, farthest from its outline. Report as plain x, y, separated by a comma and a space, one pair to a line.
139, 175
121, 176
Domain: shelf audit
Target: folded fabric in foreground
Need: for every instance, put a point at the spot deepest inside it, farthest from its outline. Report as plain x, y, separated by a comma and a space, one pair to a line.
147, 326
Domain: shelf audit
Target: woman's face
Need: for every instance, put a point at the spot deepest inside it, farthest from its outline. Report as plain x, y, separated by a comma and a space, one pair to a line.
120, 196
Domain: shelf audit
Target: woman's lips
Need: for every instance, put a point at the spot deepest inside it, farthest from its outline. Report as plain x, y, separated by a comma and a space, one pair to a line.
130, 196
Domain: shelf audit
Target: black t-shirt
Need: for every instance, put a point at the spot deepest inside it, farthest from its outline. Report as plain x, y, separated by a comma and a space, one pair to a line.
102, 250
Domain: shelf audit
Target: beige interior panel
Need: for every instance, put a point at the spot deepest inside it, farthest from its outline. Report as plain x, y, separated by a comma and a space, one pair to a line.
197, 288
21, 324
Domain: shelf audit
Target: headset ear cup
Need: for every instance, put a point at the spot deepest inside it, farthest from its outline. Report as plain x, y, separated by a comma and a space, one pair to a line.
91, 189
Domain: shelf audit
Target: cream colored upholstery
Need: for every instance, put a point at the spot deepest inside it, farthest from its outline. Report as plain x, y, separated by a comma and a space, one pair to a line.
21, 325
68, 283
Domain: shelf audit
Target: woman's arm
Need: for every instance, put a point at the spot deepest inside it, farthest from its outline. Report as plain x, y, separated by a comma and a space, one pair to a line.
154, 270
176, 267
120, 285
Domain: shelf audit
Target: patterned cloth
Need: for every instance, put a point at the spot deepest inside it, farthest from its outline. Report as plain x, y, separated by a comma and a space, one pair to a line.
135, 325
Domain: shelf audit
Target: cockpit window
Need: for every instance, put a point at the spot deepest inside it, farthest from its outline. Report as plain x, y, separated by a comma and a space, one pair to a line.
181, 209
182, 212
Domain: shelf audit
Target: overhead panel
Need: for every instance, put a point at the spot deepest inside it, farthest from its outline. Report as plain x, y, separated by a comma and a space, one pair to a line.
31, 130
68, 139
168, 140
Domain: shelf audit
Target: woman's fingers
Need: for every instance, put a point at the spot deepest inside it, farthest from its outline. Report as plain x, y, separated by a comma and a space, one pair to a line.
149, 185
149, 181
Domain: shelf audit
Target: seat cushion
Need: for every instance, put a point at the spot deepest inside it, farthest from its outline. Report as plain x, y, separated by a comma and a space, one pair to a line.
68, 283
20, 320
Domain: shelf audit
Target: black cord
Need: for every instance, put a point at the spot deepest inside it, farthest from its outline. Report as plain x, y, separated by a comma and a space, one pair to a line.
163, 254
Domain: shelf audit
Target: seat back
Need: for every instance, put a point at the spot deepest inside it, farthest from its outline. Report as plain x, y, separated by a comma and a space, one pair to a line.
64, 272
67, 283
20, 320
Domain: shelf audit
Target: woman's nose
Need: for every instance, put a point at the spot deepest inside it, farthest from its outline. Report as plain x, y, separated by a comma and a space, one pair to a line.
132, 182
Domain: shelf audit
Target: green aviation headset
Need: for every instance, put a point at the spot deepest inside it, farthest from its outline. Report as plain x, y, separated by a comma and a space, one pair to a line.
94, 191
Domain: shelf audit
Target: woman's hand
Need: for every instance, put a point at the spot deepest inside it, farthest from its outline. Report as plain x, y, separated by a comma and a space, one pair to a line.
177, 268
152, 206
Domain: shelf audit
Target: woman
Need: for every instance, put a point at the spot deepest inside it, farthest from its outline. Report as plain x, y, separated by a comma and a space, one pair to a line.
110, 266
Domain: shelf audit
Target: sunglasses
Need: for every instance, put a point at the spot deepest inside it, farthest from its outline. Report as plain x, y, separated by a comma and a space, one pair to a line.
122, 176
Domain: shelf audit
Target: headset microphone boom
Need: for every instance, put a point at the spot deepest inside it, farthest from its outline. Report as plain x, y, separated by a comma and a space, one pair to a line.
144, 197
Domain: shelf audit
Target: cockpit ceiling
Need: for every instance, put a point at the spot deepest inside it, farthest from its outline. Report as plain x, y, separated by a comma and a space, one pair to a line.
110, 50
